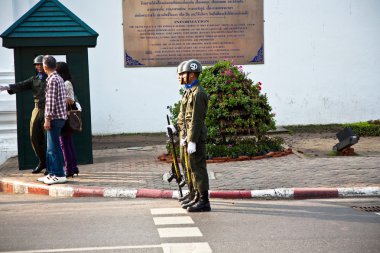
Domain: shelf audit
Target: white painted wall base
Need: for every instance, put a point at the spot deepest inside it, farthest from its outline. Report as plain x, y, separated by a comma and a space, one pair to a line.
8, 120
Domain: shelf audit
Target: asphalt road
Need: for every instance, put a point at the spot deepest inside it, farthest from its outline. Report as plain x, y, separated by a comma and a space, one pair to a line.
32, 223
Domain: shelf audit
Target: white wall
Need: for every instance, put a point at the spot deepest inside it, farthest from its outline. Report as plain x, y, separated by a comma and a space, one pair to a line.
321, 65
322, 60
8, 126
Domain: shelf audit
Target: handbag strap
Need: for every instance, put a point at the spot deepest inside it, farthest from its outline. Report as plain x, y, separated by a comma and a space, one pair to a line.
69, 108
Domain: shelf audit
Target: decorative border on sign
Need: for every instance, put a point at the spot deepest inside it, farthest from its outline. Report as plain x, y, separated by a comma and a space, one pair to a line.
129, 61
259, 58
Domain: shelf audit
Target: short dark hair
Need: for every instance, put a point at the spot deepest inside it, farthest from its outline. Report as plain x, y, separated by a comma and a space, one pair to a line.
50, 62
196, 74
63, 71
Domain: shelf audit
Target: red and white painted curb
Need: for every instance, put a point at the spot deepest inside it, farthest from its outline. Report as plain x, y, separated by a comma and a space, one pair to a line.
19, 187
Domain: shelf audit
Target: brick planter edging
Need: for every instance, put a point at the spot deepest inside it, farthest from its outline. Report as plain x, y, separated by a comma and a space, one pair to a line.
18, 187
168, 159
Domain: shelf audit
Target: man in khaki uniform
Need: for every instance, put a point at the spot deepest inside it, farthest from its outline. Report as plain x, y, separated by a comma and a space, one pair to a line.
37, 134
193, 133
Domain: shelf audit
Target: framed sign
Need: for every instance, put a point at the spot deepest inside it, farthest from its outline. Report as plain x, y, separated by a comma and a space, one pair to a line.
166, 32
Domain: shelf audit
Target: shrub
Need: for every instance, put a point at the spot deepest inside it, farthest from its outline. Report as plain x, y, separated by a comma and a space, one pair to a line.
369, 128
364, 128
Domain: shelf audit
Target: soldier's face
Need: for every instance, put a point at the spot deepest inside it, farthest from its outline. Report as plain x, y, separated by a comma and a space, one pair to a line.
184, 78
192, 77
39, 68
181, 78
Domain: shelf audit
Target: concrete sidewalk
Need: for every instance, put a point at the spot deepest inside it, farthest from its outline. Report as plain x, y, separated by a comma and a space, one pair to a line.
136, 172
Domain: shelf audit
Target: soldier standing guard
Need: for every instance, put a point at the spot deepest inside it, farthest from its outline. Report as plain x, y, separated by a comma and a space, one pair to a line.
193, 133
37, 84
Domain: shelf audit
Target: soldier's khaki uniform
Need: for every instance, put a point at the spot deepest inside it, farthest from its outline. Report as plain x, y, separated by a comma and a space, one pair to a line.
191, 123
37, 136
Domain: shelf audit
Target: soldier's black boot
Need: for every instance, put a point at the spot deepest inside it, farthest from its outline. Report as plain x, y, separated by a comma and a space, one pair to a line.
189, 199
186, 196
192, 201
39, 168
203, 205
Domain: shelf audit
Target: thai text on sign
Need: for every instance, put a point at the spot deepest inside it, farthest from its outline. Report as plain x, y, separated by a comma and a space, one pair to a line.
166, 32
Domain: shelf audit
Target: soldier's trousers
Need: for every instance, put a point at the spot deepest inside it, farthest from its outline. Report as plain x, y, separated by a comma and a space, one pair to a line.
37, 134
198, 167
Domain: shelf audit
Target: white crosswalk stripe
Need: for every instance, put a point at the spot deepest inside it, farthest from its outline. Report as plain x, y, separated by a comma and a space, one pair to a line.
202, 247
174, 216
173, 220
179, 232
165, 211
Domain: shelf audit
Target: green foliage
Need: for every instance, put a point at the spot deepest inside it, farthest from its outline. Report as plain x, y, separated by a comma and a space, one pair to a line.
314, 128
236, 108
245, 147
364, 128
236, 105
369, 128
174, 111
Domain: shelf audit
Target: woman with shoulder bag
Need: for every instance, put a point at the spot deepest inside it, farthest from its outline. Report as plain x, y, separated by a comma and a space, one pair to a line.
66, 138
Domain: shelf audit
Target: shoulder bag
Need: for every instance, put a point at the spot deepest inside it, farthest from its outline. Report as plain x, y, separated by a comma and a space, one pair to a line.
74, 120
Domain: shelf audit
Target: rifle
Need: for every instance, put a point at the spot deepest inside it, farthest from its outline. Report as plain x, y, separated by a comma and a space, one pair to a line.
175, 172
187, 167
187, 171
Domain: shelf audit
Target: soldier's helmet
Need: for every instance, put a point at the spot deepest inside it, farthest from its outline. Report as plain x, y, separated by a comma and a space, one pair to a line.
38, 59
180, 67
192, 65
